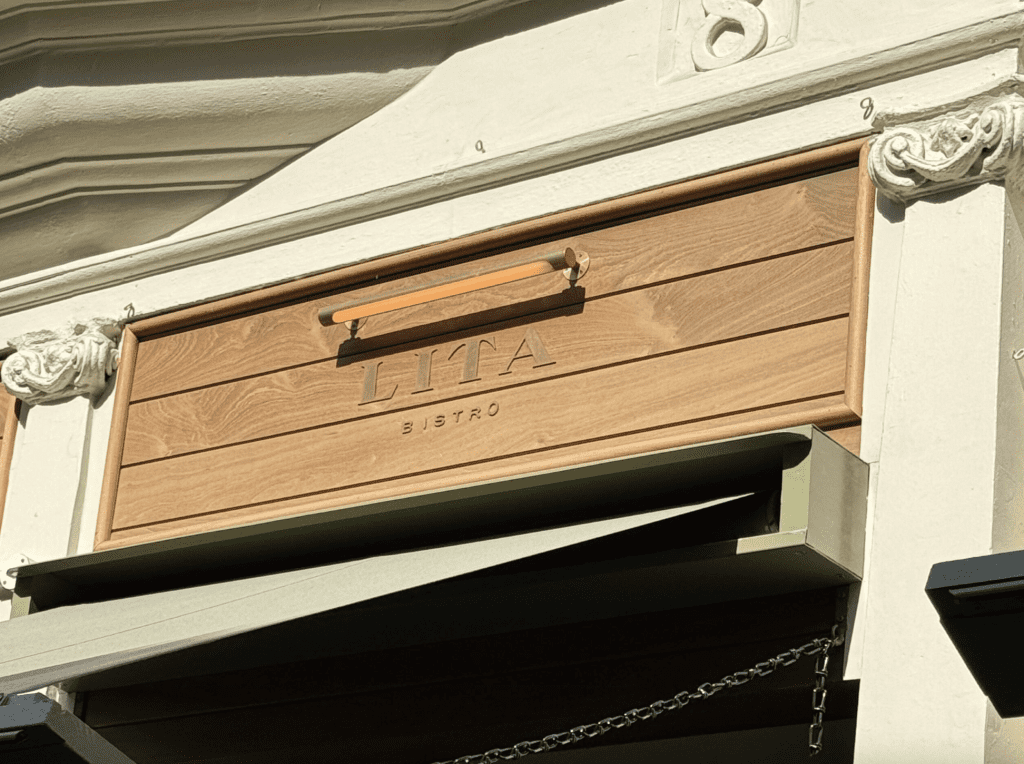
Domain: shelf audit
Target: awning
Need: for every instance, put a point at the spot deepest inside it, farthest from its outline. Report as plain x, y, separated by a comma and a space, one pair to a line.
79, 640
981, 603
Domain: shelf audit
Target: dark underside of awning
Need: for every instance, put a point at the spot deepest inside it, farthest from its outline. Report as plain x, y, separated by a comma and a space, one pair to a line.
516, 650
439, 700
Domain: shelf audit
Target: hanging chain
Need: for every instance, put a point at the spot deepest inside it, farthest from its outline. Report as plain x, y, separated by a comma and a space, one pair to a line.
819, 647
819, 693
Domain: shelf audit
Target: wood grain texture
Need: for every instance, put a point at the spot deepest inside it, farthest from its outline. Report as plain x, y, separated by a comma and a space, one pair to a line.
115, 444
648, 394
737, 305
719, 233
864, 226
623, 326
6, 407
499, 239
847, 436
824, 411
8, 429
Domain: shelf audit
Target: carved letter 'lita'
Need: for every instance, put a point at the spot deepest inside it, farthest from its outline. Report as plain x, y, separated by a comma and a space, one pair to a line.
968, 147
54, 365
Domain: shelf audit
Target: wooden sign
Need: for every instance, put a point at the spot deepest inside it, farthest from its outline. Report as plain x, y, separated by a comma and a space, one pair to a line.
718, 307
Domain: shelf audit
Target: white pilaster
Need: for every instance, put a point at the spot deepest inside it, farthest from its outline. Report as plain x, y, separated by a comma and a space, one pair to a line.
934, 479
46, 475
61, 377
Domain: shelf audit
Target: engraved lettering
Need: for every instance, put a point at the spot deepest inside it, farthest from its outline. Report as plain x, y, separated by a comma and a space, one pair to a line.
370, 385
535, 350
437, 421
423, 371
471, 367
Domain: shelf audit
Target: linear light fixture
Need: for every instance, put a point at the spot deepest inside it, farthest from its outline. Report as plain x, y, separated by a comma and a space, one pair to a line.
572, 263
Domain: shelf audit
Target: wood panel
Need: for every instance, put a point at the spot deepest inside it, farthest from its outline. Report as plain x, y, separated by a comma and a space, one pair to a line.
863, 228
824, 411
848, 436
8, 428
700, 318
115, 445
618, 327
762, 223
521, 233
751, 373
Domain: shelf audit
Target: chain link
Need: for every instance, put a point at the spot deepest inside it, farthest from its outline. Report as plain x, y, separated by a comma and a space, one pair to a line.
819, 693
819, 647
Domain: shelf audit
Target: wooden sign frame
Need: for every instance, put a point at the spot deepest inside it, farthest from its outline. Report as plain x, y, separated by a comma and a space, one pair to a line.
481, 245
10, 407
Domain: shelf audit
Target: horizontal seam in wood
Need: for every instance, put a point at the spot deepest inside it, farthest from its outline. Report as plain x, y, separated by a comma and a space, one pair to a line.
493, 390
530, 452
594, 299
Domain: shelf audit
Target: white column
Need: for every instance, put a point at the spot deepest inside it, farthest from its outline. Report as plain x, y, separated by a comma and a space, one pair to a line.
1005, 739
61, 377
46, 476
934, 479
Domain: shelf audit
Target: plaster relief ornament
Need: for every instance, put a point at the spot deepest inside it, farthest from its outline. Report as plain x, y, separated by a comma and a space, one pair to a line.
721, 16
706, 35
970, 146
52, 366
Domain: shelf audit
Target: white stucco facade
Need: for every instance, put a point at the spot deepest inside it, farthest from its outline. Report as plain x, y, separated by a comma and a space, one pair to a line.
526, 112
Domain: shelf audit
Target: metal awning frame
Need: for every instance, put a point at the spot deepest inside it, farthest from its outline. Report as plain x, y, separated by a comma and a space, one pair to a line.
823, 508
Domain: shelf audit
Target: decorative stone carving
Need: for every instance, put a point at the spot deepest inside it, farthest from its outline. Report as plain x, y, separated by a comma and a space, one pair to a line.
721, 15
980, 143
54, 365
705, 35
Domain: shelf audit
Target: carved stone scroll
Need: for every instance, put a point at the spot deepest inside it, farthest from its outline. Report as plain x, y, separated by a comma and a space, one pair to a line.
708, 35
722, 14
52, 366
969, 146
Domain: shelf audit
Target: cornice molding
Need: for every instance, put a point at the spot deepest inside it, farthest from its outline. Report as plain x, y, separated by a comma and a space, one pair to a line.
55, 181
80, 162
829, 79
972, 141
50, 366
30, 29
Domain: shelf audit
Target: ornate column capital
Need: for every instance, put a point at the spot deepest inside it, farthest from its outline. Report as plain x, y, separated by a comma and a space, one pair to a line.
973, 141
51, 366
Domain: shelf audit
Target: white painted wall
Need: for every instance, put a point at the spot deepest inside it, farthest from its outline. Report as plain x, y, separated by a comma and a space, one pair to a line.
607, 60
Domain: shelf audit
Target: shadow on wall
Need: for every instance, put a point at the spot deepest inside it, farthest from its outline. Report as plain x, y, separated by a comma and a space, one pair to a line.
304, 55
110, 148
